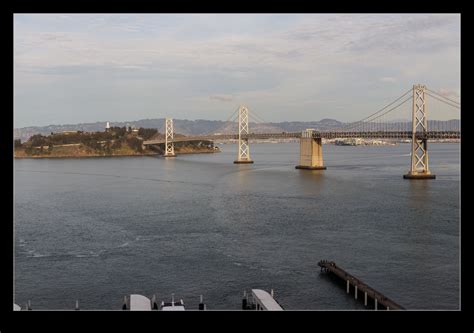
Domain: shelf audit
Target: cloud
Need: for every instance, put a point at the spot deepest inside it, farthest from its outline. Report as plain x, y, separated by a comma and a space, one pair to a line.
388, 79
222, 98
276, 62
315, 43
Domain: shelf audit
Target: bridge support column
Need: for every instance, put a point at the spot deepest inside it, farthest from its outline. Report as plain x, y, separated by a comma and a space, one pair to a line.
169, 144
311, 152
355, 294
365, 298
243, 153
419, 148
348, 285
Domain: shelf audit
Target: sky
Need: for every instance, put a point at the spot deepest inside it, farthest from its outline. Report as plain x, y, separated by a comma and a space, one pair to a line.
79, 68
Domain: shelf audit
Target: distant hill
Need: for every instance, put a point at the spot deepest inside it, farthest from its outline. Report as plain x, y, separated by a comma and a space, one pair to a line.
201, 126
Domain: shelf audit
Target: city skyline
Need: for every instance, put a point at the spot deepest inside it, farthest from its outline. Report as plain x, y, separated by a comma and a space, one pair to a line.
85, 68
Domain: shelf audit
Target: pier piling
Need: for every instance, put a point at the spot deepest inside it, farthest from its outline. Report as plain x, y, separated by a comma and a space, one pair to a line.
330, 267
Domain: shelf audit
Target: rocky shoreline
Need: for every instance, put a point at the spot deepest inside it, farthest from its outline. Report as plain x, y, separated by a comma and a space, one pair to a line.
113, 155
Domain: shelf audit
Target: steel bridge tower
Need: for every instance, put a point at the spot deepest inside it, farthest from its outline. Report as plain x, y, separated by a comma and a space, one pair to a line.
419, 149
243, 154
169, 144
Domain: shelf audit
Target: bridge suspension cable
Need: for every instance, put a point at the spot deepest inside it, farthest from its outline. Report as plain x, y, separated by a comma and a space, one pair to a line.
454, 106
258, 119
231, 118
390, 110
367, 119
439, 95
378, 114
233, 115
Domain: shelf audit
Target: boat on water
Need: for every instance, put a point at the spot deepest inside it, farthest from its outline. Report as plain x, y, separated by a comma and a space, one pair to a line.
142, 303
348, 142
260, 300
172, 306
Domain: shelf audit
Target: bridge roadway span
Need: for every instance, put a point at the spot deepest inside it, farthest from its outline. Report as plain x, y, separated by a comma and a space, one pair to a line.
325, 135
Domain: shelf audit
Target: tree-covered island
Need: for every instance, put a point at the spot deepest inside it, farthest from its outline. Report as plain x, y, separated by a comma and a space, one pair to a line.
115, 141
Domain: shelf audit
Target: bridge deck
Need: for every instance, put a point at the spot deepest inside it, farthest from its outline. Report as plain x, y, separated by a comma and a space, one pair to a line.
325, 135
330, 266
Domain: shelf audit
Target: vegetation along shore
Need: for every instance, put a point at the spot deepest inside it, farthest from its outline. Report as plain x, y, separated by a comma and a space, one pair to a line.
113, 142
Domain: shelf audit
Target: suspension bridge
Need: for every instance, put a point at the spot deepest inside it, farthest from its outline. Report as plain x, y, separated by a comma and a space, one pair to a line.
382, 124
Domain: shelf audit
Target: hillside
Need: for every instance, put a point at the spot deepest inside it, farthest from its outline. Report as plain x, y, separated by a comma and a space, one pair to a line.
117, 141
201, 126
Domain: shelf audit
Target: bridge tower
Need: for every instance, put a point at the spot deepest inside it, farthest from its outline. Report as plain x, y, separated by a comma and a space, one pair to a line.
243, 154
311, 151
169, 144
419, 149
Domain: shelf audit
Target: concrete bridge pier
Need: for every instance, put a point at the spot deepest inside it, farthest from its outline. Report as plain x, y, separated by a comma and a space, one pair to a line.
311, 152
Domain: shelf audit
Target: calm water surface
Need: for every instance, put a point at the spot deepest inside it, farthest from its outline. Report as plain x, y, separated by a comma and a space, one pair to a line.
100, 228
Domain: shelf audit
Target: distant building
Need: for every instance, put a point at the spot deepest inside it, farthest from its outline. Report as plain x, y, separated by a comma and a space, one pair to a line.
70, 132
107, 127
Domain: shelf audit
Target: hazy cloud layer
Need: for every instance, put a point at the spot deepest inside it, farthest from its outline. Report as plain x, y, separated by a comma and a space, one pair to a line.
221, 98
85, 68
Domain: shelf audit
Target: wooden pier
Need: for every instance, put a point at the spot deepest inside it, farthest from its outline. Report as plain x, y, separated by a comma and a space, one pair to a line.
358, 286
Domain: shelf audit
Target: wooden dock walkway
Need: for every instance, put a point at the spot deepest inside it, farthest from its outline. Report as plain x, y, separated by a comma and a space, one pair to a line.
378, 298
